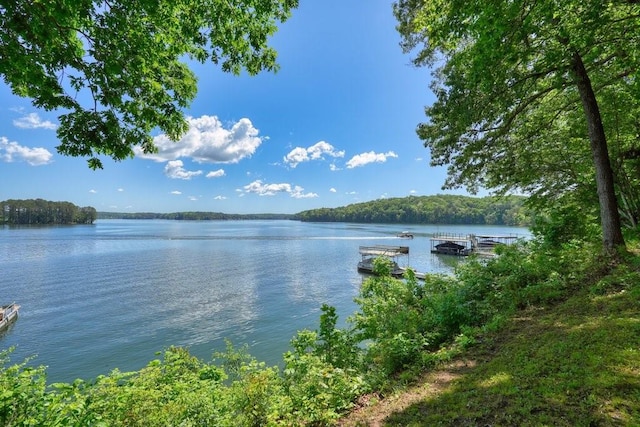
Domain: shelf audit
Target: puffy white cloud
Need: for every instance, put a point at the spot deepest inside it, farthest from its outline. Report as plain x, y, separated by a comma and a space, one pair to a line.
298, 193
176, 192
333, 190
207, 141
11, 151
370, 157
175, 170
262, 189
216, 174
315, 152
296, 156
220, 198
33, 121
258, 187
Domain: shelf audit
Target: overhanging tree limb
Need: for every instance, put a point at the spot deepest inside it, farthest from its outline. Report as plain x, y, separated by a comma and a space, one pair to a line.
115, 69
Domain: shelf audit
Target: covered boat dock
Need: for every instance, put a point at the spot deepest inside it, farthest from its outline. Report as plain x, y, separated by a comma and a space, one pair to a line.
393, 253
467, 244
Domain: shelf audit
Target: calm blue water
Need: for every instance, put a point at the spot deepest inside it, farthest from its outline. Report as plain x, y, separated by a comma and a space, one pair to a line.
113, 294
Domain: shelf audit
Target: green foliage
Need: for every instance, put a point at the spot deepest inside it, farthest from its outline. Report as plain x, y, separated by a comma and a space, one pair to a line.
43, 212
255, 396
553, 117
339, 347
439, 209
394, 320
22, 393
319, 392
323, 374
177, 390
563, 223
126, 61
403, 320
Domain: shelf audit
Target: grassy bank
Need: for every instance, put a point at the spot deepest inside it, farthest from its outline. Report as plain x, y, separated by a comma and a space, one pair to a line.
571, 363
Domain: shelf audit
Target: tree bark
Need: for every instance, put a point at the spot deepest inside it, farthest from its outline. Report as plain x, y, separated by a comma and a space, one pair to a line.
609, 215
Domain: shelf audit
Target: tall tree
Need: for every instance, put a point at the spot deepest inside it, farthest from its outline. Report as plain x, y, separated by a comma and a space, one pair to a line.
117, 69
511, 79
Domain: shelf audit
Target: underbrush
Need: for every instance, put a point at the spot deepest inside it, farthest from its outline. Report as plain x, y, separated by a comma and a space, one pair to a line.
401, 328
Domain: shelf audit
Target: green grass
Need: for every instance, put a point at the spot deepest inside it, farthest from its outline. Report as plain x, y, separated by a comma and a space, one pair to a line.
576, 363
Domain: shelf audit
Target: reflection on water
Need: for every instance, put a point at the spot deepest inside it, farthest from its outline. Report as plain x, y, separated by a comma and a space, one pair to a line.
114, 294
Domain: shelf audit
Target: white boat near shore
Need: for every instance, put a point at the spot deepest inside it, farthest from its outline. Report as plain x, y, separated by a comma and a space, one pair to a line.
8, 315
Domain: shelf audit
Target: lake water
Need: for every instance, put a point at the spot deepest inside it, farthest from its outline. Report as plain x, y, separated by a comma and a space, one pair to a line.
113, 294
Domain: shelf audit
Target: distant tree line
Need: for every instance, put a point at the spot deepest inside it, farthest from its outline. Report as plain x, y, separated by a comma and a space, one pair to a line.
44, 212
438, 209
196, 216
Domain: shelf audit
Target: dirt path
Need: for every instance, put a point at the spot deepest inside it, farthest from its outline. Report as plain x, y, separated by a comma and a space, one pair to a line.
374, 412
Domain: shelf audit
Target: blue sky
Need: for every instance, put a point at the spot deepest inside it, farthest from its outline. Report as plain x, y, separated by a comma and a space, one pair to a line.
335, 126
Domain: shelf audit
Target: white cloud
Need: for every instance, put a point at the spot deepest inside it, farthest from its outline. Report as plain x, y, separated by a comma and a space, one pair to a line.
176, 192
120, 190
333, 190
207, 141
33, 121
216, 174
370, 157
220, 198
315, 152
11, 151
298, 193
175, 170
262, 189
92, 191
193, 198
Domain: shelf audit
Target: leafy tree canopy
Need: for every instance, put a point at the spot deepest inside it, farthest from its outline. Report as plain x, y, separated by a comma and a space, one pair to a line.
44, 212
530, 95
438, 209
117, 69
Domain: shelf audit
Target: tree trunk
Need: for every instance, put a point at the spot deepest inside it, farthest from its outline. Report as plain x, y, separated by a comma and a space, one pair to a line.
609, 216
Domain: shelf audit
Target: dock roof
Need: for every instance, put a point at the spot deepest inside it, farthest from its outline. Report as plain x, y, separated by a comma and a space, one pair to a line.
384, 250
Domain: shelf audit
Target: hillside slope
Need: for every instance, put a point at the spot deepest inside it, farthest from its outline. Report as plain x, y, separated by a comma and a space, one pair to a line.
573, 364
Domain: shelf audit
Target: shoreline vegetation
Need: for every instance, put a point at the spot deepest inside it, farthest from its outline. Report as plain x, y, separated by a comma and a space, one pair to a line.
44, 212
436, 209
545, 333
